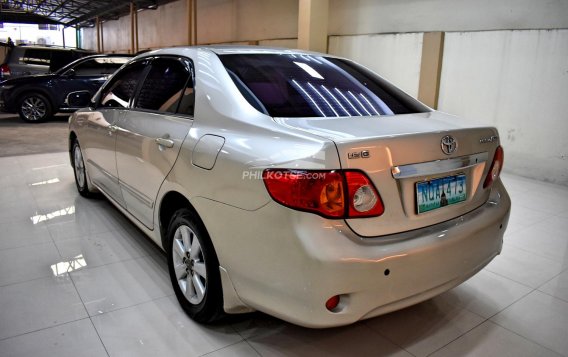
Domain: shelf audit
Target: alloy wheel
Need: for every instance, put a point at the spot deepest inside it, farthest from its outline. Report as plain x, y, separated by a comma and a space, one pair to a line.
189, 264
34, 108
79, 166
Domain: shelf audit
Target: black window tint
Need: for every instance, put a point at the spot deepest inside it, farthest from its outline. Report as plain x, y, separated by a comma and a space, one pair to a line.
120, 90
187, 103
60, 59
164, 85
291, 85
36, 56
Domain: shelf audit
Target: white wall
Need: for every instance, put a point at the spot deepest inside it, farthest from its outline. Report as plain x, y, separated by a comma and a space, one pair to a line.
395, 57
518, 82
348, 17
515, 78
88, 38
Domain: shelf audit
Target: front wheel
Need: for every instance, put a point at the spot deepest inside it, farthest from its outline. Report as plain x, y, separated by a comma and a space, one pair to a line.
79, 170
194, 268
35, 108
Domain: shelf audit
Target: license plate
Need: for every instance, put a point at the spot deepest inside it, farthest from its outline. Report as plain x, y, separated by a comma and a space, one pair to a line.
440, 192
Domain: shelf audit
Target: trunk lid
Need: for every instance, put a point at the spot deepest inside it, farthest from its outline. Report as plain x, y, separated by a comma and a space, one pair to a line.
403, 157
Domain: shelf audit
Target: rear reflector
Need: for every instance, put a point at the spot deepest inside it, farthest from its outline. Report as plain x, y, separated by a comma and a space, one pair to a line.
329, 193
364, 200
332, 303
495, 168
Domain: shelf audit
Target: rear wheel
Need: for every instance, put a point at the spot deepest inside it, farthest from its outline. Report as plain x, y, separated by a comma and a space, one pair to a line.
194, 268
35, 108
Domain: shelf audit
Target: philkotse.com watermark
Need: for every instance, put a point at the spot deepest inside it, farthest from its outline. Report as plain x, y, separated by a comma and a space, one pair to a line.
282, 174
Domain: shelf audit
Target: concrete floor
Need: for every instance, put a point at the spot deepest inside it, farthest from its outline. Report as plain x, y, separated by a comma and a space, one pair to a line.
78, 279
20, 138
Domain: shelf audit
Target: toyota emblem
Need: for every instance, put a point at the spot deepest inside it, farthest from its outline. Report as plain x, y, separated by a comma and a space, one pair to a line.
449, 144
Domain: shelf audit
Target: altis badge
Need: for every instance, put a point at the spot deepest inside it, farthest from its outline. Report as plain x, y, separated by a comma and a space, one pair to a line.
489, 139
365, 154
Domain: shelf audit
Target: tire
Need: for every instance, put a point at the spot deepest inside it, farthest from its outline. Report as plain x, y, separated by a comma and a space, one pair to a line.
34, 108
194, 268
80, 170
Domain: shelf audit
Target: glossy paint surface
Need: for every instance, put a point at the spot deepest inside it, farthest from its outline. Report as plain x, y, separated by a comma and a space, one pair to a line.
285, 262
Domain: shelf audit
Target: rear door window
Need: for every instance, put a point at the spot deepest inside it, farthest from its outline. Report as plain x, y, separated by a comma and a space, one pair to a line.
168, 87
295, 85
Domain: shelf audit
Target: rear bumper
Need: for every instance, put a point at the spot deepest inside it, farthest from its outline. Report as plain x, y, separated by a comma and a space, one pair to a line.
288, 263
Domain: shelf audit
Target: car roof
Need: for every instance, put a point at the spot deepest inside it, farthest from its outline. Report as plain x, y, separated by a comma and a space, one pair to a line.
53, 48
230, 49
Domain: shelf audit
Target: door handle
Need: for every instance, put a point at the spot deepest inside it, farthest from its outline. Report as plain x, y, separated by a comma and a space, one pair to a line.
165, 142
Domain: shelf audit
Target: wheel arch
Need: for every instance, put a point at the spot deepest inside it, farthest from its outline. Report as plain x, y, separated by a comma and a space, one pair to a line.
37, 90
170, 203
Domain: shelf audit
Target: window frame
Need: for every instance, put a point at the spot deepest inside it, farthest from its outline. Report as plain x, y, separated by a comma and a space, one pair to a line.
143, 74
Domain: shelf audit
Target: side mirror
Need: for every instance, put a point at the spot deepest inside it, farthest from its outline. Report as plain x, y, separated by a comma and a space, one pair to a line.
78, 99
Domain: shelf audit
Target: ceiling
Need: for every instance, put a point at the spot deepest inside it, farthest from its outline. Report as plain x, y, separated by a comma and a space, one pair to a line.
79, 13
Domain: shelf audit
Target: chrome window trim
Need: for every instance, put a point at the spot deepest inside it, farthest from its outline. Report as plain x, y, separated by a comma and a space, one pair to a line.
438, 166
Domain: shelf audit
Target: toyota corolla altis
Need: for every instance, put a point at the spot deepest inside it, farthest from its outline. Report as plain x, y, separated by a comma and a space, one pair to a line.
295, 183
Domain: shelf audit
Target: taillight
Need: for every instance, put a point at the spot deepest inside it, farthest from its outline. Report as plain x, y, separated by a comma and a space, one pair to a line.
5, 70
331, 194
495, 168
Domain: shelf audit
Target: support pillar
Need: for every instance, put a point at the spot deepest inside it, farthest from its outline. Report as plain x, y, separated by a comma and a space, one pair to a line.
136, 43
431, 68
192, 22
102, 37
97, 27
132, 28
312, 25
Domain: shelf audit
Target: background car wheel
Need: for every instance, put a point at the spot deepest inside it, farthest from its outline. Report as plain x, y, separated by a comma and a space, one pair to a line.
35, 108
194, 268
80, 170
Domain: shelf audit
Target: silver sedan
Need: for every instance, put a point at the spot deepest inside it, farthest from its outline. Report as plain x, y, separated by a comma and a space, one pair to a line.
295, 183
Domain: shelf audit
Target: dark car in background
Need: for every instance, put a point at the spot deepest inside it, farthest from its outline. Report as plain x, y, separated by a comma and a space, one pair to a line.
28, 60
37, 98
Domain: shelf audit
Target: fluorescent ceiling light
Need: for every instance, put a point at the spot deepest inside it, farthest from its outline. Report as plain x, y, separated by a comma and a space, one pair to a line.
306, 67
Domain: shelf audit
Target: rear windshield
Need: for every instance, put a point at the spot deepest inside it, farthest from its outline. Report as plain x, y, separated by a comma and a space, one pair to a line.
292, 85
